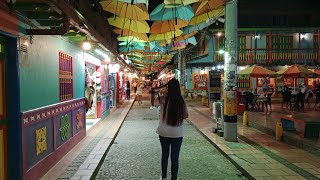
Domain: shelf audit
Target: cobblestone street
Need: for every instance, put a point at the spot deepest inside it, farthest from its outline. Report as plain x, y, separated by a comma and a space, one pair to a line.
136, 152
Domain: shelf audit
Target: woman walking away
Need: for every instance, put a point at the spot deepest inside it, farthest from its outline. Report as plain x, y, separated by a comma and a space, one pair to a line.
173, 111
139, 93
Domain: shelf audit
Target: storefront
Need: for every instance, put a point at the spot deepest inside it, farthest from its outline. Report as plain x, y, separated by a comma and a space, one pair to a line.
98, 91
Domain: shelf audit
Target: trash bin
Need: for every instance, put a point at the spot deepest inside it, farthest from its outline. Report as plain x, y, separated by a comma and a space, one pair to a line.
218, 116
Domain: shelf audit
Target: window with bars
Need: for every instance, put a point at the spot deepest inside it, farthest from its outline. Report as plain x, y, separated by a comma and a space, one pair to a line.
242, 42
65, 77
281, 42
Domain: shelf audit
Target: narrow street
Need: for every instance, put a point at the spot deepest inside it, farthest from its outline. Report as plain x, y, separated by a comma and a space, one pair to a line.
136, 152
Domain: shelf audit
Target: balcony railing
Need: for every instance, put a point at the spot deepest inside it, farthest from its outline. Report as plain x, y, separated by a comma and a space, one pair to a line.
276, 57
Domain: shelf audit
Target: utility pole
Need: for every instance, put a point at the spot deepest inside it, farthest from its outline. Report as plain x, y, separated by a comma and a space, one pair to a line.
182, 69
230, 73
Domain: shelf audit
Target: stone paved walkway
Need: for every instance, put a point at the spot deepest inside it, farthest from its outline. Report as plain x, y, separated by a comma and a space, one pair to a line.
136, 152
258, 154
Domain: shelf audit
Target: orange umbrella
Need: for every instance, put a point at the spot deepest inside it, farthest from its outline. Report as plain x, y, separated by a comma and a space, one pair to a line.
206, 6
185, 36
167, 26
296, 71
256, 71
126, 32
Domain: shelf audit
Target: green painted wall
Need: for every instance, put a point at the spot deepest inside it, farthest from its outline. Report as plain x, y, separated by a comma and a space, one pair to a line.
39, 78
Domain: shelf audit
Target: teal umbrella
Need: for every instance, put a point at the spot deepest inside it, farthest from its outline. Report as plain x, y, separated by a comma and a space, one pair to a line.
192, 28
180, 12
192, 40
198, 27
131, 48
132, 43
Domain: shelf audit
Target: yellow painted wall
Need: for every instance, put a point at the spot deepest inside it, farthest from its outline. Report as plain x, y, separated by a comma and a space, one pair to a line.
1, 155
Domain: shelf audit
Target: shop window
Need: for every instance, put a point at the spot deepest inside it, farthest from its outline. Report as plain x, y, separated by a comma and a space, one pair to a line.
65, 77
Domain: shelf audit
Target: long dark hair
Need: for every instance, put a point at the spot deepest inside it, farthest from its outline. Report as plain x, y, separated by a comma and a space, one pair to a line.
174, 104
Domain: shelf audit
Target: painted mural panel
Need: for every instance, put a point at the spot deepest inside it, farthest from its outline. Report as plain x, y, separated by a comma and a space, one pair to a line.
63, 128
2, 101
79, 120
2, 155
38, 142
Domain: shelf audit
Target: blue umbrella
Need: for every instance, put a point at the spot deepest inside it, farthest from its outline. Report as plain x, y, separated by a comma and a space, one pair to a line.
190, 29
181, 12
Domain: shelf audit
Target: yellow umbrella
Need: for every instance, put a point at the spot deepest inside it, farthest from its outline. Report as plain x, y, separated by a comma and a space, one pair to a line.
133, 25
204, 17
185, 36
166, 26
126, 32
165, 36
122, 9
183, 2
207, 6
129, 39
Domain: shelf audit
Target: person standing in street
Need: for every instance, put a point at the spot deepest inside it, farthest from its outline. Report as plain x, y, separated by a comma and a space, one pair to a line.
172, 112
128, 90
139, 93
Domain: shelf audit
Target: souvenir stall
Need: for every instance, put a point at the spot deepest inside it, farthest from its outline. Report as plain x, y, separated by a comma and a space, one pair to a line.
113, 84
93, 91
105, 93
200, 86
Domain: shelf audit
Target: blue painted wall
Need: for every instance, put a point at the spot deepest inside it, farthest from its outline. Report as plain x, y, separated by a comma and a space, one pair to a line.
39, 76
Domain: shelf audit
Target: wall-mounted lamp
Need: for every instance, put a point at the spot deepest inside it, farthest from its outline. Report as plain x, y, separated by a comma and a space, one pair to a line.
303, 36
257, 36
219, 34
221, 51
86, 45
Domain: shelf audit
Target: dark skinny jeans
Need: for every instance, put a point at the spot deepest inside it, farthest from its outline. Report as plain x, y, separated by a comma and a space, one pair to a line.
175, 145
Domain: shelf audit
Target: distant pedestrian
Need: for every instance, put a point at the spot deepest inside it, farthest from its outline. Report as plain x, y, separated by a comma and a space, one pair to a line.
172, 112
128, 90
139, 93
135, 84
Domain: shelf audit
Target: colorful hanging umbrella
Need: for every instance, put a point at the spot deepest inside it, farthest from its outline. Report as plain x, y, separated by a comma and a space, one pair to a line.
126, 32
134, 1
131, 48
212, 15
165, 36
180, 2
198, 27
133, 25
296, 71
185, 36
126, 10
168, 25
129, 39
192, 40
181, 12
256, 71
207, 6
